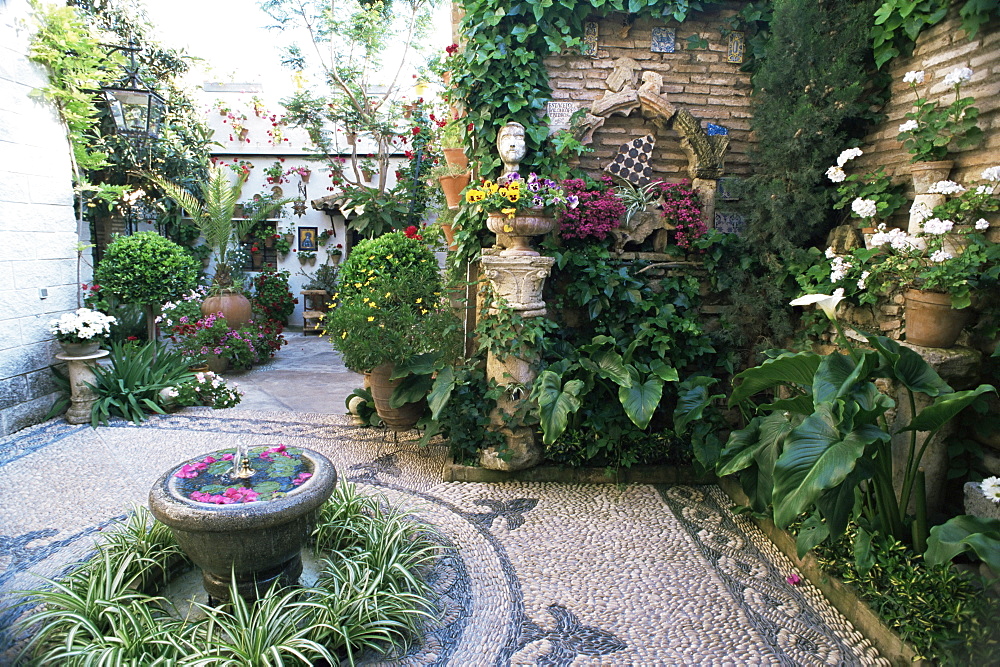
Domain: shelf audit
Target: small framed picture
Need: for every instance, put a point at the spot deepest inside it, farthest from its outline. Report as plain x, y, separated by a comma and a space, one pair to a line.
307, 238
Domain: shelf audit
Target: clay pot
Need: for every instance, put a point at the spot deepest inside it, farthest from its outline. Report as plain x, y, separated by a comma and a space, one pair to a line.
456, 156
402, 418
449, 235
453, 186
930, 319
926, 174
232, 304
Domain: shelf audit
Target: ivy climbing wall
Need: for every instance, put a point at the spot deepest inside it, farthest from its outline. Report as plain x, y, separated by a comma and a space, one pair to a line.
699, 80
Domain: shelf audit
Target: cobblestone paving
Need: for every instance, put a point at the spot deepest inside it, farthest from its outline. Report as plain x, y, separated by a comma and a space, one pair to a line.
536, 573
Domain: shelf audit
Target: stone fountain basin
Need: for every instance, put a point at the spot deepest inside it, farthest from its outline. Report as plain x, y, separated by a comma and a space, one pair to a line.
256, 542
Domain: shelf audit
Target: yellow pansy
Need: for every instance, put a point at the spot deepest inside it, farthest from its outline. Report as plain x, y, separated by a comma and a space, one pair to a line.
513, 196
502, 192
473, 196
508, 229
509, 212
492, 188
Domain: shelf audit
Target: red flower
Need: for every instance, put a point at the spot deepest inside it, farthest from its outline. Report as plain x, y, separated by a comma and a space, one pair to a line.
132, 338
416, 130
411, 233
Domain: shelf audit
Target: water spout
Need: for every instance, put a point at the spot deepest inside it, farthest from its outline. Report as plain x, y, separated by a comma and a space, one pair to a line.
241, 463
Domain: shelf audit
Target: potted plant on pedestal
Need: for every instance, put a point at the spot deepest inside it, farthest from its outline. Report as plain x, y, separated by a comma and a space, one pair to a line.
390, 309
213, 213
83, 332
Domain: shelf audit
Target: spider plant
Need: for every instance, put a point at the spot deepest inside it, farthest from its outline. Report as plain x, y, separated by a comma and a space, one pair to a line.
637, 199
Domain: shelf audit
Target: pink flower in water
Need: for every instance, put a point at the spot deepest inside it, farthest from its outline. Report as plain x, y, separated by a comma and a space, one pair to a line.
301, 477
280, 449
794, 579
227, 457
187, 471
209, 459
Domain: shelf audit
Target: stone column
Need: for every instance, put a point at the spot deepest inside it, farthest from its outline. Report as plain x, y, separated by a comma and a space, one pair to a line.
706, 187
518, 280
82, 397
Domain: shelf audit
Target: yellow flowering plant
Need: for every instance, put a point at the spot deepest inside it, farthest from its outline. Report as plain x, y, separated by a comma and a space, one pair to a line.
389, 304
510, 195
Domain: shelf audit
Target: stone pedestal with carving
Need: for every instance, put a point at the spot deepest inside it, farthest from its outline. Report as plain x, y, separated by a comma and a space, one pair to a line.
518, 280
81, 372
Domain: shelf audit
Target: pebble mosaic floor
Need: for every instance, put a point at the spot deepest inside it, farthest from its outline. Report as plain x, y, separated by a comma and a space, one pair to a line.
535, 573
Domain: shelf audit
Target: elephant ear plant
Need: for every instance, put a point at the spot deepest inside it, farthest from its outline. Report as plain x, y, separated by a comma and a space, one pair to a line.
823, 448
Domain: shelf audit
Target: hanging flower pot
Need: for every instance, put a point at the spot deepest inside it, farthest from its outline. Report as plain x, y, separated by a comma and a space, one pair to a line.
930, 319
453, 186
456, 156
449, 235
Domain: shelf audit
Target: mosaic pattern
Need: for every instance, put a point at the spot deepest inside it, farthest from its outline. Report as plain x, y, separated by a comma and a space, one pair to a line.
632, 161
531, 573
589, 46
664, 40
736, 46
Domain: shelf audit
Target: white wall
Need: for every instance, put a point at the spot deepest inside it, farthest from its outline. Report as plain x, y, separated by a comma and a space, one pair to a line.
38, 231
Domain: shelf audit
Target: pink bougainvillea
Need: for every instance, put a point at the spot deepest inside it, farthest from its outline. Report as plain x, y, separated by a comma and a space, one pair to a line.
599, 210
682, 208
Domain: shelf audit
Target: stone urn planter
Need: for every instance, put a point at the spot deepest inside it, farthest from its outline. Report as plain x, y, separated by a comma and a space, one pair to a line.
256, 540
930, 319
519, 230
402, 418
926, 174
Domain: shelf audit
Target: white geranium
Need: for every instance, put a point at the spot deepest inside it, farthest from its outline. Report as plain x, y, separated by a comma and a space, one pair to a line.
921, 211
864, 208
937, 226
830, 254
939, 256
908, 126
863, 280
838, 269
982, 224
991, 173
915, 77
848, 155
991, 488
984, 189
836, 174
946, 188
957, 76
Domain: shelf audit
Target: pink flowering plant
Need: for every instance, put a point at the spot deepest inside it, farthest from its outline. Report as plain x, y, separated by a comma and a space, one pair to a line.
278, 469
599, 210
681, 207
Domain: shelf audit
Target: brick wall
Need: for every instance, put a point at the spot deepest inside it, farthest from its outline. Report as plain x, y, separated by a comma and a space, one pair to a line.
939, 50
38, 232
699, 80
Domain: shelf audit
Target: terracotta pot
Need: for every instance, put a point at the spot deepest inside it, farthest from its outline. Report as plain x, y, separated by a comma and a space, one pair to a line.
456, 156
449, 235
233, 305
453, 186
216, 363
930, 319
519, 230
257, 260
926, 174
269, 241
402, 418
446, 78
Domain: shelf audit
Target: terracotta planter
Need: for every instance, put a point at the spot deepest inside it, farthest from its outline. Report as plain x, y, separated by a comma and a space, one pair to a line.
269, 241
456, 156
453, 186
449, 235
519, 230
233, 305
257, 260
216, 363
930, 319
926, 174
402, 418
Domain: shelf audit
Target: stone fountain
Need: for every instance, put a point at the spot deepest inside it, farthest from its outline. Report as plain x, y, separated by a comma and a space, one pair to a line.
244, 516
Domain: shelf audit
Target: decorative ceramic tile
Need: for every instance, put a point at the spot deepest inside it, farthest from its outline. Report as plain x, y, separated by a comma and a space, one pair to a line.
737, 47
725, 189
589, 46
632, 162
730, 223
712, 130
664, 40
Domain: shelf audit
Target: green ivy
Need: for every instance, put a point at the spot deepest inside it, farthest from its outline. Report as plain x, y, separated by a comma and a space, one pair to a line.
898, 23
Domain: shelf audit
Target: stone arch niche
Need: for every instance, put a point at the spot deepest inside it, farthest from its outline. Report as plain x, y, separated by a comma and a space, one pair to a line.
629, 89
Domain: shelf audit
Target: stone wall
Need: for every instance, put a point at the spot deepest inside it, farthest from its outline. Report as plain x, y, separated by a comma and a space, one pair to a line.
38, 230
939, 50
700, 81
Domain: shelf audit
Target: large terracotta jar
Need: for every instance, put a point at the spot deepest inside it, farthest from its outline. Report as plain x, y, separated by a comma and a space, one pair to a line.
402, 418
930, 319
232, 304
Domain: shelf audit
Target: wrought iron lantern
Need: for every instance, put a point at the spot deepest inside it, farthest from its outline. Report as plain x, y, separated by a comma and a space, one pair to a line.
137, 111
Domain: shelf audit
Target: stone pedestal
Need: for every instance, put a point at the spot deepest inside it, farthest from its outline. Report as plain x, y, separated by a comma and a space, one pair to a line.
518, 280
959, 367
82, 397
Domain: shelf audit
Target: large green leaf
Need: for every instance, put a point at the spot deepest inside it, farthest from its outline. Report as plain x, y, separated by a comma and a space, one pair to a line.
945, 407
839, 503
743, 445
801, 404
663, 371
440, 392
608, 364
419, 364
641, 399
411, 389
908, 367
693, 397
962, 533
556, 402
816, 457
838, 373
812, 532
789, 368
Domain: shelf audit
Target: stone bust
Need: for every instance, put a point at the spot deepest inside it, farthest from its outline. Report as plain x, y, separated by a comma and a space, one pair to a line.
510, 145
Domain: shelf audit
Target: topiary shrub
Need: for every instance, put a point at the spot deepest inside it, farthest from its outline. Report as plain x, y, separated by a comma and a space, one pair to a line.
147, 269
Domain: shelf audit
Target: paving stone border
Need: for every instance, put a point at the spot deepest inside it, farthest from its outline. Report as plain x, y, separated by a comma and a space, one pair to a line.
456, 472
